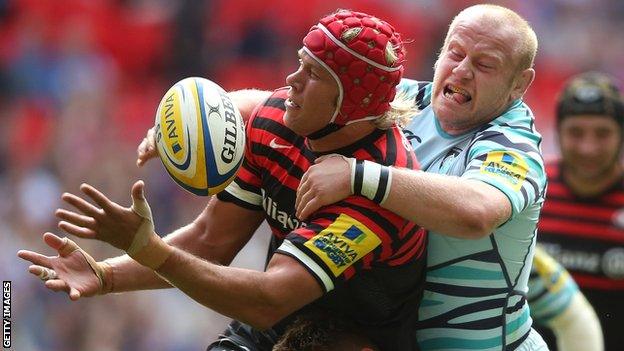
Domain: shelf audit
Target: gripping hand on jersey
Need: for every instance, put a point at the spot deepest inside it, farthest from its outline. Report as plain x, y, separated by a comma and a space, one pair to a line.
127, 228
326, 182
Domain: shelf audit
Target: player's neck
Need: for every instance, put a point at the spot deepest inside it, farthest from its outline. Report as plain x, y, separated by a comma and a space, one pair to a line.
343, 137
594, 186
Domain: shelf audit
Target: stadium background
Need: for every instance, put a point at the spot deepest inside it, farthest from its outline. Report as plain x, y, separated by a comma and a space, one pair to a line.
79, 83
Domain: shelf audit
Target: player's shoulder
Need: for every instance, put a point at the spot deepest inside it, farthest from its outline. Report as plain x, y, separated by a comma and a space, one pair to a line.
268, 117
518, 121
272, 107
514, 129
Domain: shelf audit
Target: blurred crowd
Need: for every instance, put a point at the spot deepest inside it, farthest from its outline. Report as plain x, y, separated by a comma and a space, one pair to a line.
79, 84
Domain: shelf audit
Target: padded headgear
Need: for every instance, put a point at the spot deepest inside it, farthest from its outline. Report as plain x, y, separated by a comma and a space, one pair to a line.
591, 93
365, 56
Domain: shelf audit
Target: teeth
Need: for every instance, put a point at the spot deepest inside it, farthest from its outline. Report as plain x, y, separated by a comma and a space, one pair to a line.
291, 103
457, 90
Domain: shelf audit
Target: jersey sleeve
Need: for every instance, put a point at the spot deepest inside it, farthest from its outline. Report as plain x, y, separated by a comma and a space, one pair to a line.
511, 163
245, 189
551, 288
419, 91
344, 239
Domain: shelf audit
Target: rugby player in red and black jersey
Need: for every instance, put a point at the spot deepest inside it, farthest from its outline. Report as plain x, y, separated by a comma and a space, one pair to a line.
582, 222
353, 259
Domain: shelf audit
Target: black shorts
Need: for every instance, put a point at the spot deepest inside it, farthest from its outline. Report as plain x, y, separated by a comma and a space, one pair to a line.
242, 337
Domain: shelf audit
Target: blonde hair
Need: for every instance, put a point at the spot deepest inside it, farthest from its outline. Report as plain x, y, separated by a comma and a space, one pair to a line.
527, 39
401, 111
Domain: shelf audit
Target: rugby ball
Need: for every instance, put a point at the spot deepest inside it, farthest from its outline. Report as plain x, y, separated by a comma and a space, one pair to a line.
200, 136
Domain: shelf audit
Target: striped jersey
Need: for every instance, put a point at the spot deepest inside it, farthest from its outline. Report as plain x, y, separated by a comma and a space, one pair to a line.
369, 261
586, 235
475, 290
551, 288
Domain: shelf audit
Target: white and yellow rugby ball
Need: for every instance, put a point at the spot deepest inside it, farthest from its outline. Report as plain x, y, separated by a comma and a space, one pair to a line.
200, 136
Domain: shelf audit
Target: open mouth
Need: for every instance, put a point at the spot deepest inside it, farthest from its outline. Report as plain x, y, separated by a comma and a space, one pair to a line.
291, 104
458, 94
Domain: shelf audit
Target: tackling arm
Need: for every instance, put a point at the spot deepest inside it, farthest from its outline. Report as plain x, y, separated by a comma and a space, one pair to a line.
446, 204
451, 205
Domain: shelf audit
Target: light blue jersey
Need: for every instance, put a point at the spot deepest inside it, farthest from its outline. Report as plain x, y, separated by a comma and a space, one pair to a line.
551, 288
475, 293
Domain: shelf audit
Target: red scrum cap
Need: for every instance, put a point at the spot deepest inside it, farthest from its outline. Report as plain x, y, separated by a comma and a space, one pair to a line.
365, 56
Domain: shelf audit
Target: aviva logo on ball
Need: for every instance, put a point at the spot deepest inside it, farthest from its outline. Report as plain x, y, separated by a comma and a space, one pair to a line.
200, 136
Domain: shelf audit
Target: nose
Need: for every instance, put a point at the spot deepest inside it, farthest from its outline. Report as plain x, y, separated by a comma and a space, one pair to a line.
464, 69
293, 80
588, 146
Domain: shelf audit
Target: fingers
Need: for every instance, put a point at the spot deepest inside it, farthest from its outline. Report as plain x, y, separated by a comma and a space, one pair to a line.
147, 148
77, 231
305, 199
36, 258
301, 189
77, 219
57, 285
309, 208
97, 196
81, 204
303, 196
74, 294
42, 273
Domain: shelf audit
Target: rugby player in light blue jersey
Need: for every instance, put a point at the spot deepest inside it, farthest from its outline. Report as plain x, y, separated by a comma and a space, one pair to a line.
558, 304
481, 191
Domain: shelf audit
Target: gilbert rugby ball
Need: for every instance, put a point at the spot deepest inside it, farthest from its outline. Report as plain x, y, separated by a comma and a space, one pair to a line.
200, 136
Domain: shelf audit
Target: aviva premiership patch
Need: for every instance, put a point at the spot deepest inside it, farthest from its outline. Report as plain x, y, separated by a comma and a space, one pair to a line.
507, 166
342, 243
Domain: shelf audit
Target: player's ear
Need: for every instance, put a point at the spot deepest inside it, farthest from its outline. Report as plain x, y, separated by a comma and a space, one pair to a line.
522, 83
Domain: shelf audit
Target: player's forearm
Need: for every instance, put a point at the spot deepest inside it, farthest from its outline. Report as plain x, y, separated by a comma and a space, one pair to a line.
245, 295
446, 204
128, 275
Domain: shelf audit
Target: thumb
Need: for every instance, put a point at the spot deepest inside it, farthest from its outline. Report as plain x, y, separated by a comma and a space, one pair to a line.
139, 203
53, 241
138, 193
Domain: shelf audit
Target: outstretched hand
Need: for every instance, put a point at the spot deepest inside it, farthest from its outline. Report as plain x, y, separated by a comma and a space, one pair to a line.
147, 148
108, 221
73, 271
326, 182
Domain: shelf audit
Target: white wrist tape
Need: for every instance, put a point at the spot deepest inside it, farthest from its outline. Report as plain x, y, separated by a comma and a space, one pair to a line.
371, 180
147, 248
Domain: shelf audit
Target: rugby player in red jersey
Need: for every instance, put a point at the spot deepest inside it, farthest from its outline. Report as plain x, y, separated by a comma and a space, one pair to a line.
352, 259
582, 222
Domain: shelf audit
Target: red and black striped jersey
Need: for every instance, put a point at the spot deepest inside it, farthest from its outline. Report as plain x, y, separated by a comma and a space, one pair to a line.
374, 258
586, 235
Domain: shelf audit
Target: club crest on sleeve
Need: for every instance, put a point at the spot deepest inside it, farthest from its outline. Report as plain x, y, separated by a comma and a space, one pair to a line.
506, 166
342, 243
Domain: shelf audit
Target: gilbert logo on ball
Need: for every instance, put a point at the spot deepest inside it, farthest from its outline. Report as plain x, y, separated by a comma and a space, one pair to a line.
200, 136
